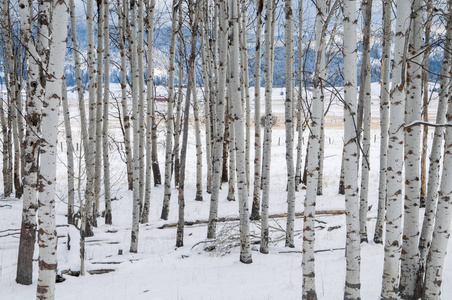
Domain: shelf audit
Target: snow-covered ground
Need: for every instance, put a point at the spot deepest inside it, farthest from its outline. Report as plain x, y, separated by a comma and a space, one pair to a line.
161, 271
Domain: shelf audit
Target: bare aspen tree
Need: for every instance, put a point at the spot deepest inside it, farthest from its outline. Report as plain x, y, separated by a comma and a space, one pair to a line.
194, 11
246, 89
425, 98
364, 101
150, 94
198, 196
89, 191
106, 103
220, 108
99, 103
169, 124
31, 149
141, 98
410, 251
245, 248
231, 137
441, 233
290, 86
136, 134
69, 155
431, 202
257, 114
384, 118
269, 44
205, 57
393, 247
300, 97
125, 110
353, 255
308, 262
47, 236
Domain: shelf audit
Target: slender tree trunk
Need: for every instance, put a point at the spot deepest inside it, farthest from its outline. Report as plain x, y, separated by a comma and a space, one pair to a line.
99, 111
180, 97
410, 251
69, 155
425, 63
290, 73
106, 103
300, 119
365, 99
125, 110
198, 196
435, 158
441, 233
220, 107
245, 248
150, 95
169, 125
269, 44
257, 114
353, 256
393, 242
89, 191
47, 236
136, 135
384, 118
194, 10
231, 137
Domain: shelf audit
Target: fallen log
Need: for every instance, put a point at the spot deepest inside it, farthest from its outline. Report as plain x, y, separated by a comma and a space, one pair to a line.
231, 219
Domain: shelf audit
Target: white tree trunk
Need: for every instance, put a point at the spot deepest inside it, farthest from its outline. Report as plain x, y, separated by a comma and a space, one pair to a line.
169, 124
353, 255
441, 233
435, 156
269, 44
150, 94
47, 236
136, 134
198, 196
384, 118
300, 118
410, 251
393, 246
257, 114
290, 85
245, 249
365, 99
220, 107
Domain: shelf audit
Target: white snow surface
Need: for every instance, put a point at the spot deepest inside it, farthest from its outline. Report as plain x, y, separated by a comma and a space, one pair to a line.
161, 271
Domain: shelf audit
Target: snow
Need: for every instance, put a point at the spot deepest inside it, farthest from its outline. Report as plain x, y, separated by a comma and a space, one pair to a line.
161, 271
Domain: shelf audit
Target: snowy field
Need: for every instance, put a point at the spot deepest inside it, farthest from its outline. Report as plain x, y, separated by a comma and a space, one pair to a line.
161, 271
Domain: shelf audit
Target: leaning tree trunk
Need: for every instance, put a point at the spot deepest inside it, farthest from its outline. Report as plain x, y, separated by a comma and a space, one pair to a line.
194, 10
390, 285
169, 124
384, 118
125, 110
47, 235
441, 233
435, 157
289, 124
353, 256
308, 262
410, 251
141, 104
